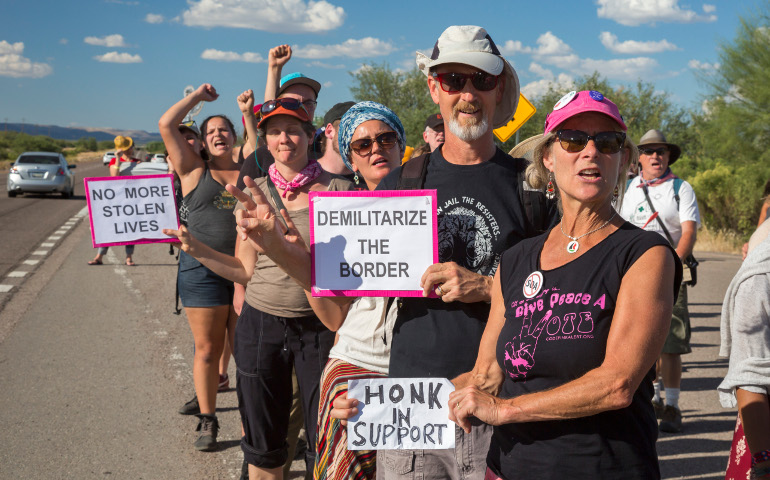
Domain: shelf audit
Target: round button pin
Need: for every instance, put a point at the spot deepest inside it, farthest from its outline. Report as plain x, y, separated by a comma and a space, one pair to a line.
533, 284
596, 95
563, 101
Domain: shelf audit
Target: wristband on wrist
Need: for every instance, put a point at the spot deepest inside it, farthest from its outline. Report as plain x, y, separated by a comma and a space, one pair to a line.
759, 457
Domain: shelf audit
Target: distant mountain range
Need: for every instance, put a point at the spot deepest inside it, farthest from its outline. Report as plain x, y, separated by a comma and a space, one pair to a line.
140, 137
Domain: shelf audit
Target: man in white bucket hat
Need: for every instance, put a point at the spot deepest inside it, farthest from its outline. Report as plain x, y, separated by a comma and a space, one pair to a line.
480, 215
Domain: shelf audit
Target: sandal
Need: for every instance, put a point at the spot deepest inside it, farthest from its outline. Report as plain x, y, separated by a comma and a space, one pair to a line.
95, 262
130, 263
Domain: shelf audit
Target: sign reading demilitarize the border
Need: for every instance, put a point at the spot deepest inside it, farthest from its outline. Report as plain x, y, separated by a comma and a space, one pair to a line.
372, 243
131, 210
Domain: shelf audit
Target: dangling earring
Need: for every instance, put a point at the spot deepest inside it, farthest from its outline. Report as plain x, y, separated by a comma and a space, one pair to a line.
550, 191
615, 194
355, 178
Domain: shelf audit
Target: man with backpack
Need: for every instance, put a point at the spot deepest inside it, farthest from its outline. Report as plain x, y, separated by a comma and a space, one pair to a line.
480, 215
659, 201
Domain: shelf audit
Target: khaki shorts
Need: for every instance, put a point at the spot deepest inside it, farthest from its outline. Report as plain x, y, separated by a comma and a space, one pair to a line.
678, 340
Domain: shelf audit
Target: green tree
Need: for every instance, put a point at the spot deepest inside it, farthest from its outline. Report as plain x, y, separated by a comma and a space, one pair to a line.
155, 147
735, 127
404, 92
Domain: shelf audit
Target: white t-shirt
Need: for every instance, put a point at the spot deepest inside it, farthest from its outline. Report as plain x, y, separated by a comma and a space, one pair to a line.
366, 334
637, 211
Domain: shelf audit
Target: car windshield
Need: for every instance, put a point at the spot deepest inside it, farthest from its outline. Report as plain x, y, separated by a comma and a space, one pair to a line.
38, 159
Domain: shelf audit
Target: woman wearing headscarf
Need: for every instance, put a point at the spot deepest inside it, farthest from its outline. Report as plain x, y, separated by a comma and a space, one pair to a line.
578, 318
371, 142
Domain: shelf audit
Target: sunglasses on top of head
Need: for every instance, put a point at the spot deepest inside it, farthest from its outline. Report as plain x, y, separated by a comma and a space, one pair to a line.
453, 82
363, 146
287, 103
575, 141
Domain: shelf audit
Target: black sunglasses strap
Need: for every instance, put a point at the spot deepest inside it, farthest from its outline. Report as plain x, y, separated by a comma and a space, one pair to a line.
660, 222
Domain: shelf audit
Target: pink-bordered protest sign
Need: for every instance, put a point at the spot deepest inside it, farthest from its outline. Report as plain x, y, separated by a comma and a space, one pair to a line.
131, 210
372, 244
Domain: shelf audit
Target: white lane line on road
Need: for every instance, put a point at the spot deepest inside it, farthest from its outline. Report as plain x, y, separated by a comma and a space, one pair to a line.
47, 244
40, 252
60, 232
17, 274
31, 262
54, 238
5, 288
161, 333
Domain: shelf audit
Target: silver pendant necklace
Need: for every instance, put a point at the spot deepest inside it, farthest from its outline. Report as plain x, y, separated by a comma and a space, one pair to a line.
574, 246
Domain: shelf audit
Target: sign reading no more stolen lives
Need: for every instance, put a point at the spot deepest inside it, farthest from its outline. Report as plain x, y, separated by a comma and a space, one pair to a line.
401, 413
372, 243
131, 210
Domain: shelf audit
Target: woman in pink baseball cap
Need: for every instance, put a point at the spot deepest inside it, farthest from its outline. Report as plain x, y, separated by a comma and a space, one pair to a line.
578, 318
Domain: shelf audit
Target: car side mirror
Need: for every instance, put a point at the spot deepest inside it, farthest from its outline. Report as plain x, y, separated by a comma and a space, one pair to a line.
71, 166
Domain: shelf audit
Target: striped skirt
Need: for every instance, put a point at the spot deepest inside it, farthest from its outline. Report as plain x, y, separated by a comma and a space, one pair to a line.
333, 459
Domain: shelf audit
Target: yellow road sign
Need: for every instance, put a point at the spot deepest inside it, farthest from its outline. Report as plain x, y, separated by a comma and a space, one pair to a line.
524, 112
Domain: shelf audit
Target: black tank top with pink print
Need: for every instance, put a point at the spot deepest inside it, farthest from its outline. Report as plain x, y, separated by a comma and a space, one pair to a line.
556, 328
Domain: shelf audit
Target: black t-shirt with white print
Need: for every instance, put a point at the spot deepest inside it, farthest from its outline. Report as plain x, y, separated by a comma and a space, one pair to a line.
558, 335
479, 216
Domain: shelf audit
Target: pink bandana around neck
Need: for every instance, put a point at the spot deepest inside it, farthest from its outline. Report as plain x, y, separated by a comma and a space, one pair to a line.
311, 171
667, 175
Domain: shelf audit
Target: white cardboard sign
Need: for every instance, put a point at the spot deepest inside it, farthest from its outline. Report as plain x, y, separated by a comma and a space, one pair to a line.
372, 243
131, 210
401, 413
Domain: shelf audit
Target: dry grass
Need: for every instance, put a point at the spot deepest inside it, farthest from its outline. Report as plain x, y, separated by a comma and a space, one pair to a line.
718, 241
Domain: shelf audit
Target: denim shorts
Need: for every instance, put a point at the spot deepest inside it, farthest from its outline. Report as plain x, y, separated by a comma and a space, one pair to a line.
200, 287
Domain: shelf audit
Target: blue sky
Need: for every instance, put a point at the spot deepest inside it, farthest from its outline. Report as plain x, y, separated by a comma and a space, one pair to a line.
122, 63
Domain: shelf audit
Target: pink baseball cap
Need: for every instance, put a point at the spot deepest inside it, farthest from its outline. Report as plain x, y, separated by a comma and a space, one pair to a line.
575, 103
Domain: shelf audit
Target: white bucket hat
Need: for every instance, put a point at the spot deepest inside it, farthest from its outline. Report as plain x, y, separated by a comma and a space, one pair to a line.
471, 45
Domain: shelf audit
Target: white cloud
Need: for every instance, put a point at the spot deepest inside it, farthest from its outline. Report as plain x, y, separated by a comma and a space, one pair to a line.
324, 65
13, 64
637, 12
540, 87
281, 16
365, 47
153, 18
633, 47
63, 41
698, 65
112, 41
512, 47
709, 8
115, 57
328, 84
540, 71
222, 56
364, 67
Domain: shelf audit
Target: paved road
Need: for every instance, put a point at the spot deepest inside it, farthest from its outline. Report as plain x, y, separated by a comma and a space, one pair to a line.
93, 366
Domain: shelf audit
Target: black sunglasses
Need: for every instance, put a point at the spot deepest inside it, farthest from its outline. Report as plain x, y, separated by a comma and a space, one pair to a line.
649, 151
287, 103
575, 141
363, 146
453, 82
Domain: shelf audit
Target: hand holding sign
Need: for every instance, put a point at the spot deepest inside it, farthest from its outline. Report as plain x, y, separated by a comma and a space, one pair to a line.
344, 408
455, 283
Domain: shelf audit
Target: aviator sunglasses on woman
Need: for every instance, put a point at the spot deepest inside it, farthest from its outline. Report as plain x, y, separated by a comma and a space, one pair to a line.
363, 146
575, 141
453, 82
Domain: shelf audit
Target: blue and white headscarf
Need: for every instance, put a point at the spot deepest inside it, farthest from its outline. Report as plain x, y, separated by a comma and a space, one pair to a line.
362, 112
